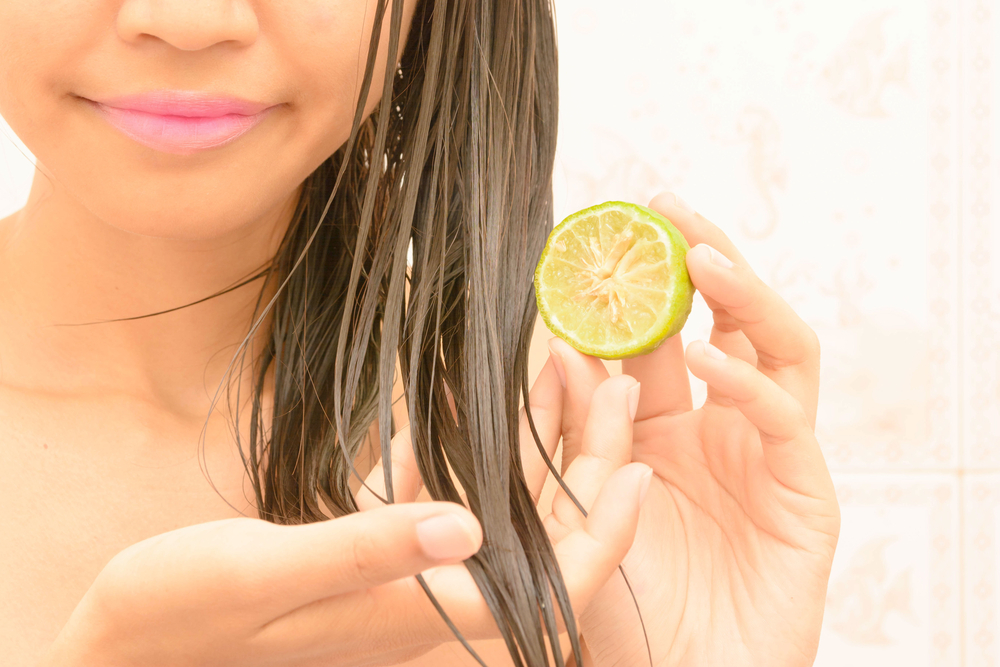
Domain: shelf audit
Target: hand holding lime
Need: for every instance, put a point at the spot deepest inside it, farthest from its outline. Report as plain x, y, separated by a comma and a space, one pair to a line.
612, 280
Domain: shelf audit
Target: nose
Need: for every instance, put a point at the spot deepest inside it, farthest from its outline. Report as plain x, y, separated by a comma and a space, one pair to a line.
188, 25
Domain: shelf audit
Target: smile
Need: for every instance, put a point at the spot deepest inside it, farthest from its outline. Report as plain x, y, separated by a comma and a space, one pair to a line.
180, 129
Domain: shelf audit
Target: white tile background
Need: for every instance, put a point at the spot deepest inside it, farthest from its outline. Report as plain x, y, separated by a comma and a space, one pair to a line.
851, 150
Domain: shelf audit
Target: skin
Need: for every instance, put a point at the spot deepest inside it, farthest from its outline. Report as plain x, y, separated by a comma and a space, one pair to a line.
737, 531
128, 541
131, 556
112, 228
736, 538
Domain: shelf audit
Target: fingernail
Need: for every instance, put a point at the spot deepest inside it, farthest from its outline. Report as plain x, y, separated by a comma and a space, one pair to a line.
713, 351
718, 258
558, 363
644, 484
681, 204
446, 537
633, 400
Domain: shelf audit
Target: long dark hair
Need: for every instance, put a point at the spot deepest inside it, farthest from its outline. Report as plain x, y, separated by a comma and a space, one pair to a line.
457, 161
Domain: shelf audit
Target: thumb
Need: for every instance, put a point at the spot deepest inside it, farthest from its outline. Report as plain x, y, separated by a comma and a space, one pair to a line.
304, 563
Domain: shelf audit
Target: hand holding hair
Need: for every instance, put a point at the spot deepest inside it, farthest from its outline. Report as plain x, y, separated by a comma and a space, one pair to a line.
736, 536
236, 591
342, 592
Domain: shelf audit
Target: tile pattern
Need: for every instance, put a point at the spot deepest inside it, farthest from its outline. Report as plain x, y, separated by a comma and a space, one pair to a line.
851, 152
942, 157
981, 494
894, 592
805, 131
980, 239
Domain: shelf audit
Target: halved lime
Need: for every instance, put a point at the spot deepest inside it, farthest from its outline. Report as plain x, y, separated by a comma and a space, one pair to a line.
612, 280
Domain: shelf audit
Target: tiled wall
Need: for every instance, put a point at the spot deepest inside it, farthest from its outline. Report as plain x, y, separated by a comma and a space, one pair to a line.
851, 150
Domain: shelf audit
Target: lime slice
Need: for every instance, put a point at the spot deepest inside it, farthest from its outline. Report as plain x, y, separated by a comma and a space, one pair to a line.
612, 281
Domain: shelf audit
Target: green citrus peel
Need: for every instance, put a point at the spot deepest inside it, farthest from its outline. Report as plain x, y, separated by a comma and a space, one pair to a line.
612, 280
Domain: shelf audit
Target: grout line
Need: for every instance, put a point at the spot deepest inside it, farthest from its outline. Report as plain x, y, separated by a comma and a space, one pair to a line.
961, 53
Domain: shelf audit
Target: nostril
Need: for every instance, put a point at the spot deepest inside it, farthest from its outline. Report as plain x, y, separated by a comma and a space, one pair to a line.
188, 26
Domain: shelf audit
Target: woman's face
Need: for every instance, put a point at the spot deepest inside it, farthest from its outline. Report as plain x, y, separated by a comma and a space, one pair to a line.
185, 177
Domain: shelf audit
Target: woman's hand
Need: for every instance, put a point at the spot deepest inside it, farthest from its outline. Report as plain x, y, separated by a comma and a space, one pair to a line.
737, 532
245, 592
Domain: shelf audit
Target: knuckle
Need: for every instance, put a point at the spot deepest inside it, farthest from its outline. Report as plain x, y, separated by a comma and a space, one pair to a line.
793, 417
564, 519
536, 412
724, 321
611, 387
366, 558
789, 358
799, 348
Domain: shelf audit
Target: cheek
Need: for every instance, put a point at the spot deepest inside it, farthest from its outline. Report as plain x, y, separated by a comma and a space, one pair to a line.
40, 45
309, 54
320, 16
327, 42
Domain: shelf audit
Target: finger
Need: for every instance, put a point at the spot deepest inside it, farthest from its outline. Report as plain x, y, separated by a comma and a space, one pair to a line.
393, 615
728, 337
663, 375
795, 367
401, 611
589, 555
546, 402
289, 566
787, 349
694, 226
582, 374
790, 449
406, 481
606, 447
696, 230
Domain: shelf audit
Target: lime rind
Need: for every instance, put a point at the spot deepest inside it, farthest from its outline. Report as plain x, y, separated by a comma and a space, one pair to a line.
679, 292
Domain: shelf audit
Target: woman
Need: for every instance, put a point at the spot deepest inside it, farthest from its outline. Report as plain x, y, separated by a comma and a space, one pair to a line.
186, 255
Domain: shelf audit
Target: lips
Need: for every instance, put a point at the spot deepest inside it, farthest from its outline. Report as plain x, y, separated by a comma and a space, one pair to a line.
182, 122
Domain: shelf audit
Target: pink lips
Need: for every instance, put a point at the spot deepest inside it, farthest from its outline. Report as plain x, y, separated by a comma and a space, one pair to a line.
182, 122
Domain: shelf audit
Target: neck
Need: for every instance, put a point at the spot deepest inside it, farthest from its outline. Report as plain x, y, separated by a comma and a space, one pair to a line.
62, 265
